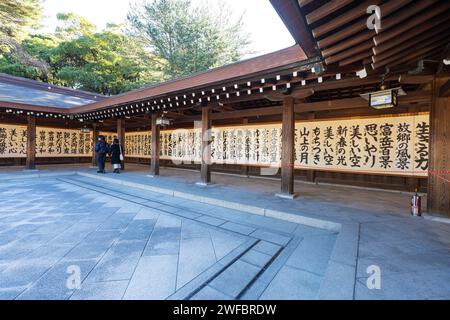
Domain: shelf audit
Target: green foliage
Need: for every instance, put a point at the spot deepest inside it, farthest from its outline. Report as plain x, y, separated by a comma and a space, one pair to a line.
190, 39
107, 62
168, 38
17, 16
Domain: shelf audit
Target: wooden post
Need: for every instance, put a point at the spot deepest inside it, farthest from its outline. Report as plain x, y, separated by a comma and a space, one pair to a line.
121, 137
206, 146
95, 135
154, 162
31, 143
311, 174
287, 149
244, 168
439, 157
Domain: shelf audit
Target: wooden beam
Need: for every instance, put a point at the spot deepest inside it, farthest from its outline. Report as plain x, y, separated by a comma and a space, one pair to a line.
415, 79
410, 24
154, 161
325, 10
444, 91
346, 17
31, 143
430, 24
350, 103
287, 148
206, 146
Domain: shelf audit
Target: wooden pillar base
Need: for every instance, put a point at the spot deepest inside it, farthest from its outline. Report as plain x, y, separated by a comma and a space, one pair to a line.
288, 196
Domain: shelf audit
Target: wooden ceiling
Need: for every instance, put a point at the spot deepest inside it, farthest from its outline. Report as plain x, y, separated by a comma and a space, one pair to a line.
410, 31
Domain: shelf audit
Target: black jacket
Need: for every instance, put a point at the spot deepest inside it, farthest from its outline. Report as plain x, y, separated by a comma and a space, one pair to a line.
102, 147
115, 154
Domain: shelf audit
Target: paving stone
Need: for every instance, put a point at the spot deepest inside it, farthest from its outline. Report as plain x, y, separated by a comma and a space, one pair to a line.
239, 228
111, 290
256, 258
305, 285
154, 278
56, 283
210, 220
267, 247
271, 237
235, 278
209, 293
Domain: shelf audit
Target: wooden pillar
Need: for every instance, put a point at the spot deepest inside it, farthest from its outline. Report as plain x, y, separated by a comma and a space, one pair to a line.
439, 157
206, 146
287, 149
95, 135
31, 143
244, 168
311, 174
154, 162
121, 137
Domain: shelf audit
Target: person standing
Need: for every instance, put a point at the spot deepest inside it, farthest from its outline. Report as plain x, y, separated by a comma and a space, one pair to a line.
102, 149
116, 155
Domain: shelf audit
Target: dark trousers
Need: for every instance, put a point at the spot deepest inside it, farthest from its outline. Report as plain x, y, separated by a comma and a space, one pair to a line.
101, 157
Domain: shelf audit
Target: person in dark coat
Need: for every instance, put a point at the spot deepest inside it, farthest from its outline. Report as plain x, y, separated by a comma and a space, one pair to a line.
102, 149
116, 152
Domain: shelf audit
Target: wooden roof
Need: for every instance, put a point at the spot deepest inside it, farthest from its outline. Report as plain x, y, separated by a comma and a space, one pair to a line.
245, 68
410, 31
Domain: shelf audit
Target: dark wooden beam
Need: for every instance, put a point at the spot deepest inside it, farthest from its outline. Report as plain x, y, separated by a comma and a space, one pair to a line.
31, 143
206, 146
350, 103
444, 91
154, 162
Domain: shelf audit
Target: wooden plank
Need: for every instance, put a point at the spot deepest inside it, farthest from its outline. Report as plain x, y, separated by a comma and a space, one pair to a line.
31, 143
287, 147
206, 146
154, 161
325, 10
349, 16
439, 158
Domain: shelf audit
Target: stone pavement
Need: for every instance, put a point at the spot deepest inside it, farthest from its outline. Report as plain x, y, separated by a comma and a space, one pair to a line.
133, 243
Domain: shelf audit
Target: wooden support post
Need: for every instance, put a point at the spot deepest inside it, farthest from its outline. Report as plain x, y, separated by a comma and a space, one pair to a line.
439, 157
154, 162
287, 146
244, 168
121, 137
95, 135
311, 174
206, 146
31, 143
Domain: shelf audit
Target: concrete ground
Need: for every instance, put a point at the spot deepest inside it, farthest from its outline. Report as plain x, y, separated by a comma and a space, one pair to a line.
128, 236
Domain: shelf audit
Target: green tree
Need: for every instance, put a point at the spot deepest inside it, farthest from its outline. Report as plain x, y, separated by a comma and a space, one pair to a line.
106, 62
190, 39
17, 17
72, 26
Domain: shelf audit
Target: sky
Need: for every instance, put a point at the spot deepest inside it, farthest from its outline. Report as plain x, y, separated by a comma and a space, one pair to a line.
267, 31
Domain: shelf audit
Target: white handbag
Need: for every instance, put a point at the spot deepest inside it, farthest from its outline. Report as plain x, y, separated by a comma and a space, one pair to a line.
121, 154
